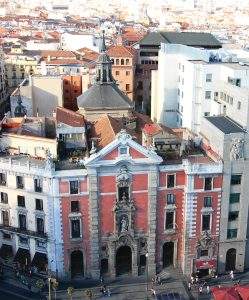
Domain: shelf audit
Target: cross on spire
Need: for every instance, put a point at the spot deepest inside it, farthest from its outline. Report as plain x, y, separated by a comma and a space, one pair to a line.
103, 45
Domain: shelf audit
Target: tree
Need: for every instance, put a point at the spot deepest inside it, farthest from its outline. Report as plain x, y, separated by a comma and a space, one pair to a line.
55, 285
70, 291
89, 294
39, 284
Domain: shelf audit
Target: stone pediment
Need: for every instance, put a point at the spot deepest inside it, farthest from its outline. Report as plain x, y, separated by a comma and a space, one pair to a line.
123, 149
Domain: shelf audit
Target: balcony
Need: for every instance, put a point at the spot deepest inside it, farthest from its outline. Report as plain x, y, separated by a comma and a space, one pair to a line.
20, 186
38, 189
24, 231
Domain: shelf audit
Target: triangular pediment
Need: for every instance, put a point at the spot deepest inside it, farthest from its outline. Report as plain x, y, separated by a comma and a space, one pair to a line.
123, 148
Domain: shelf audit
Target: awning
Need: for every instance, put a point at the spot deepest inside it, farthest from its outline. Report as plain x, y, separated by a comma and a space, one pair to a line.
225, 293
6, 251
40, 261
22, 256
205, 264
243, 291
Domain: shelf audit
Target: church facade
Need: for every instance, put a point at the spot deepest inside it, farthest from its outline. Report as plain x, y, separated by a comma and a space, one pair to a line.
133, 210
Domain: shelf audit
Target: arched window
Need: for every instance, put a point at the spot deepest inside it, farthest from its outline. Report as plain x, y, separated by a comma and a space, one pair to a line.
122, 61
127, 61
117, 61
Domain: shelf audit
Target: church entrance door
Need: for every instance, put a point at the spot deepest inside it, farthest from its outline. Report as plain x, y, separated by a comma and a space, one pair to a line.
123, 260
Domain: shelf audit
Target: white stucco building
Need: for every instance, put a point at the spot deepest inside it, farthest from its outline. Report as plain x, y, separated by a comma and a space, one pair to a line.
75, 41
191, 83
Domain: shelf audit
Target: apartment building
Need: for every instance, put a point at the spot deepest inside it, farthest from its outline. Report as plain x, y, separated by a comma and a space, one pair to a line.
4, 106
28, 203
209, 95
40, 95
228, 138
192, 83
19, 64
148, 54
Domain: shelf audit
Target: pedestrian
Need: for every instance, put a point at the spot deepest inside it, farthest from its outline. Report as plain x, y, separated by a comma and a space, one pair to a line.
208, 289
189, 286
108, 292
102, 290
105, 290
200, 289
153, 292
192, 279
231, 275
158, 280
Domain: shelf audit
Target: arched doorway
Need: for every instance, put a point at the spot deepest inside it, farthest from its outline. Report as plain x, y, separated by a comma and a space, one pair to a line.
168, 254
123, 260
77, 265
231, 259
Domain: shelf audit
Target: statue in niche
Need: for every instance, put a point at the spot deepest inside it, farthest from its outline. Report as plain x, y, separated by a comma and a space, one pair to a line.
123, 224
236, 151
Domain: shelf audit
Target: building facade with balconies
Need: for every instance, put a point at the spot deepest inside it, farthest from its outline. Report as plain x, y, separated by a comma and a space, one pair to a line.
28, 213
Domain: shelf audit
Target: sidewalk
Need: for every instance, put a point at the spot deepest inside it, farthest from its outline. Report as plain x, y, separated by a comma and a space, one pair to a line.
223, 280
10, 278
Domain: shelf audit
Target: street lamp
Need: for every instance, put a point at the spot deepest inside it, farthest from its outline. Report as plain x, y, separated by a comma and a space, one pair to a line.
147, 276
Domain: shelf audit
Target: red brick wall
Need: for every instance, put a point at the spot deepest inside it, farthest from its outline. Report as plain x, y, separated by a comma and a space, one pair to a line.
135, 154
161, 205
217, 182
72, 88
141, 212
200, 201
198, 183
64, 187
162, 179
112, 155
83, 244
139, 182
107, 203
107, 184
83, 185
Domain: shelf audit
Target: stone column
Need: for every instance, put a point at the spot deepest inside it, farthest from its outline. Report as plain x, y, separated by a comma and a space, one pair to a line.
134, 261
112, 260
94, 223
152, 206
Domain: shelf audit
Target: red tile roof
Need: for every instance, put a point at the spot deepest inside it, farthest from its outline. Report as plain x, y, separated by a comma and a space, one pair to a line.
64, 62
57, 54
121, 51
69, 117
105, 130
88, 54
152, 129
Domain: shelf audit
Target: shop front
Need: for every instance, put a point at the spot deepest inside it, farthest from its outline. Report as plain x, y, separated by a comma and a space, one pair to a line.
205, 267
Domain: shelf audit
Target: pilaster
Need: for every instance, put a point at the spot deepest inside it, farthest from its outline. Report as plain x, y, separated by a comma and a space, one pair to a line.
94, 223
152, 205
